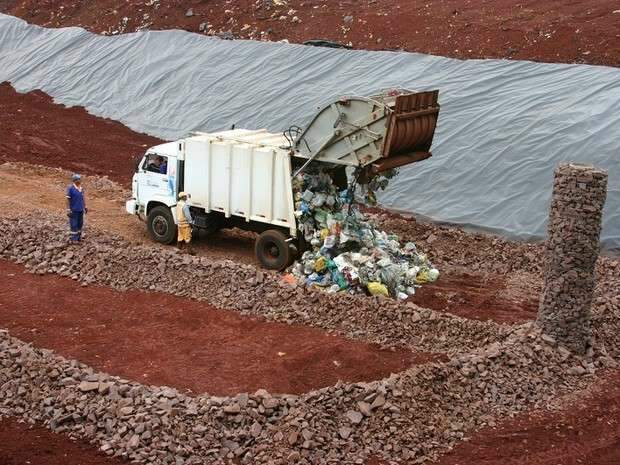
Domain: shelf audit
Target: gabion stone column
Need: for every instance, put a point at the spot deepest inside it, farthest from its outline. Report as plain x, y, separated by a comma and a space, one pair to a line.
572, 248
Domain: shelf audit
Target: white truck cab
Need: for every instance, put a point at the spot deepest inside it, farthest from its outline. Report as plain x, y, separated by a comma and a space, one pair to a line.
155, 185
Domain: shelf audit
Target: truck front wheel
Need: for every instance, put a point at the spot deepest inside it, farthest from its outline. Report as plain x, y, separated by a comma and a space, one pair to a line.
161, 226
272, 250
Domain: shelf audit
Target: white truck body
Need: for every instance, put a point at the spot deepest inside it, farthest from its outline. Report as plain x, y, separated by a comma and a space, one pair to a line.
242, 173
239, 173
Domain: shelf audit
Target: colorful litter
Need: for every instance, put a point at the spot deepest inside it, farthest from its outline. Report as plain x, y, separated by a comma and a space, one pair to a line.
346, 252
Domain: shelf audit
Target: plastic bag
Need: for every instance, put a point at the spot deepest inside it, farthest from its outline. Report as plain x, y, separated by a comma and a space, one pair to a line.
320, 264
377, 289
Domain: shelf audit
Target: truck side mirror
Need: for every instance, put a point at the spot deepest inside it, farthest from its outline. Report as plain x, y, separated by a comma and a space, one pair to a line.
137, 164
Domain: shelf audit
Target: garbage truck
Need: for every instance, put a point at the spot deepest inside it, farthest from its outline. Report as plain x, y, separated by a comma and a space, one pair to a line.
243, 178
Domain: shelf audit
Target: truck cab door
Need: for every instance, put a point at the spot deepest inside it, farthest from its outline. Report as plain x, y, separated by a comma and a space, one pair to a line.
156, 179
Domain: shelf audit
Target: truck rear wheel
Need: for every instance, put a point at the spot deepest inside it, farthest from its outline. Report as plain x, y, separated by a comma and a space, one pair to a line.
272, 250
161, 226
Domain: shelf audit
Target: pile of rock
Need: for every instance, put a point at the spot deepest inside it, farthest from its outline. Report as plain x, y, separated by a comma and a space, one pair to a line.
606, 322
413, 415
127, 419
579, 193
451, 246
39, 243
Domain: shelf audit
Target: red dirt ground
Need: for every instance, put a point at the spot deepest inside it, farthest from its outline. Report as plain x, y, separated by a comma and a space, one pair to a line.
585, 432
164, 340
477, 297
33, 129
21, 444
567, 31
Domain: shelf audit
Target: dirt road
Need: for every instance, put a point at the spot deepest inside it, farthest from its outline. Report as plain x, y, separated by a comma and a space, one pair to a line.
28, 188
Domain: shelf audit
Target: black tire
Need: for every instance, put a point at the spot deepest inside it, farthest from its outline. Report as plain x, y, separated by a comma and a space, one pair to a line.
161, 226
272, 250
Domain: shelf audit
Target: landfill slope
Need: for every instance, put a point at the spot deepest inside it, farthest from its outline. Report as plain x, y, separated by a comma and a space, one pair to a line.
559, 31
503, 127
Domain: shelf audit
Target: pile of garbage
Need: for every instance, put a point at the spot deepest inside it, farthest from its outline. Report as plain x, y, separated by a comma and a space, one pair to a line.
346, 252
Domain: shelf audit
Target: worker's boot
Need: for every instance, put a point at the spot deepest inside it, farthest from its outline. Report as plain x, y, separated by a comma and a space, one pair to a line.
190, 249
180, 245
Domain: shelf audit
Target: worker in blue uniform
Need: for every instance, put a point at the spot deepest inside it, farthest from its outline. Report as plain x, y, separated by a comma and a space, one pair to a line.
76, 208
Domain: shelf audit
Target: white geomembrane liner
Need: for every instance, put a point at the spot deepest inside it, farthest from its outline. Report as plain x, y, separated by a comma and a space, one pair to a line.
503, 126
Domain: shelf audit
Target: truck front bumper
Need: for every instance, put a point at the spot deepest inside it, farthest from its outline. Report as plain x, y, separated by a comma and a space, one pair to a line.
131, 206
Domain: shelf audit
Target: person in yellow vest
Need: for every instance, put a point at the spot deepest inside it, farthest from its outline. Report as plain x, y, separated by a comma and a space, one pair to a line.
184, 222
